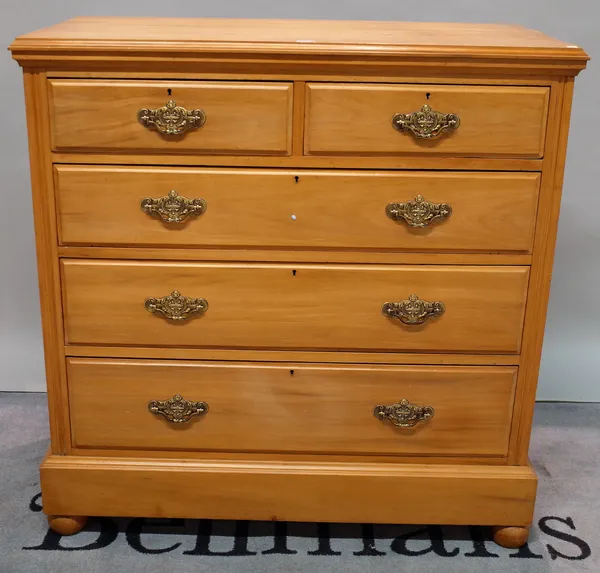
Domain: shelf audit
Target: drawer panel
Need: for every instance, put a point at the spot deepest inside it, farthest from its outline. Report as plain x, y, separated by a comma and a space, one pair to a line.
494, 120
314, 209
290, 407
295, 306
241, 117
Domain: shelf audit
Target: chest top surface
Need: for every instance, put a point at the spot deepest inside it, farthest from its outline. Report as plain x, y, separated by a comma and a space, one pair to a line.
370, 39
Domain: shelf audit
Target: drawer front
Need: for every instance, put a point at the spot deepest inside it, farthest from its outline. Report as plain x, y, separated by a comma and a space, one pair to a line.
296, 307
492, 121
295, 408
240, 117
277, 208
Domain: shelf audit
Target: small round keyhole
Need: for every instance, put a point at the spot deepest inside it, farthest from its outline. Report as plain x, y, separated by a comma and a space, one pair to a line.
169, 91
297, 179
427, 95
294, 273
291, 372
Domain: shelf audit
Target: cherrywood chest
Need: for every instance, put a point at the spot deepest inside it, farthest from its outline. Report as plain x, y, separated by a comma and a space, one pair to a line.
294, 270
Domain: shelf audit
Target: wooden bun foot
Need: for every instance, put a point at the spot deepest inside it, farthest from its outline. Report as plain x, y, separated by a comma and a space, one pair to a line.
66, 524
511, 537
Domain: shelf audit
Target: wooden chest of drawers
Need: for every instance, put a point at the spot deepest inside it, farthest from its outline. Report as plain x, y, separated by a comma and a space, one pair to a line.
294, 270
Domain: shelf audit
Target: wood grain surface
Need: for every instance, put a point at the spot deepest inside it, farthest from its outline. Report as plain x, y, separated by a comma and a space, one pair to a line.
297, 307
541, 272
290, 407
163, 30
406, 162
357, 119
241, 117
281, 208
332, 357
295, 255
289, 491
46, 239
263, 47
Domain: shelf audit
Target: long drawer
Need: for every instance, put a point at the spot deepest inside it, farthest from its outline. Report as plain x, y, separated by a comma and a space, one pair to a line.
276, 306
387, 119
290, 408
421, 211
225, 117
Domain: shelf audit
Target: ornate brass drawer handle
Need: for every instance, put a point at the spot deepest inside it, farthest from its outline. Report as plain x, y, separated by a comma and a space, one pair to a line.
176, 306
177, 409
404, 414
418, 212
413, 310
425, 123
173, 208
171, 119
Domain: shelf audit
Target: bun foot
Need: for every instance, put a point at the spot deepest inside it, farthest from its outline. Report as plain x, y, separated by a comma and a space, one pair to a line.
66, 524
511, 537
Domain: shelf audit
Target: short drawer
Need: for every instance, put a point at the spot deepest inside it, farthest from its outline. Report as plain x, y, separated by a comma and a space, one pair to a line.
468, 121
277, 306
421, 211
290, 407
208, 117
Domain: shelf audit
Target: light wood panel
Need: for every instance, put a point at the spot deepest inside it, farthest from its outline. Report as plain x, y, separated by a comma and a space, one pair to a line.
46, 239
295, 255
195, 455
458, 495
241, 117
371, 75
298, 118
338, 356
379, 49
114, 42
290, 407
357, 119
318, 209
142, 30
303, 68
541, 276
409, 163
300, 307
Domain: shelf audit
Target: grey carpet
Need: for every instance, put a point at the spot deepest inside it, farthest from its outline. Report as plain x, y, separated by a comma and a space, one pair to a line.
565, 451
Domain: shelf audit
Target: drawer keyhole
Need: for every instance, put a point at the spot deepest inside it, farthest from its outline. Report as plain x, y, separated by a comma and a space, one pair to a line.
427, 95
169, 91
294, 273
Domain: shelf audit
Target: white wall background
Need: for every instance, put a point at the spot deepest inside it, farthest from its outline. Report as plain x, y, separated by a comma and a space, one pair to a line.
571, 361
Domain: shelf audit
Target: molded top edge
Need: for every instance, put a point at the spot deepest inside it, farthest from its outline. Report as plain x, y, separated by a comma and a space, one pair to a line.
308, 37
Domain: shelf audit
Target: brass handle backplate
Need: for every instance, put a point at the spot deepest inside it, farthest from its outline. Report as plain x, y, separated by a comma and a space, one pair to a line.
176, 306
418, 212
177, 409
425, 123
413, 310
173, 208
404, 414
171, 119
